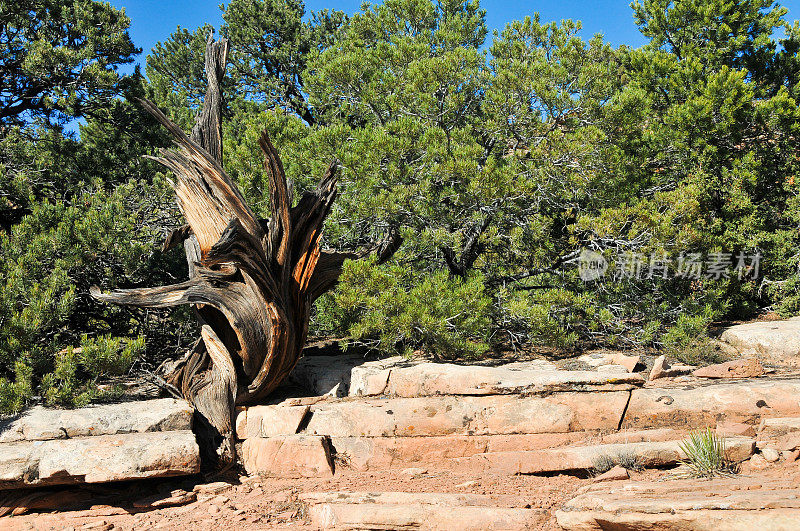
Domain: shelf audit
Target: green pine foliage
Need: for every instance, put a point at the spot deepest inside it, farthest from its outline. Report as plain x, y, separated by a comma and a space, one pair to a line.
48, 262
77, 372
75, 210
498, 158
500, 168
392, 310
59, 58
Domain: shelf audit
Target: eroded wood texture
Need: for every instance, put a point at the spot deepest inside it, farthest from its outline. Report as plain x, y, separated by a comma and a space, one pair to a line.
252, 282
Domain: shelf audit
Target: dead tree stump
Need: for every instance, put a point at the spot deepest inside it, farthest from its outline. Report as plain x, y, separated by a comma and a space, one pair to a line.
252, 282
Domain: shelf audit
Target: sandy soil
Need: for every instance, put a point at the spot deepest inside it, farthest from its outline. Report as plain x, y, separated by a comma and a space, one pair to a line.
271, 503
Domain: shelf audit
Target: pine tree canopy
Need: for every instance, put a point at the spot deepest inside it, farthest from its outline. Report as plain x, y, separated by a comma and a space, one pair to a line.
503, 160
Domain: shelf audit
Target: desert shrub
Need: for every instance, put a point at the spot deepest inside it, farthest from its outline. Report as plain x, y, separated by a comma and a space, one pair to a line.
603, 464
391, 309
705, 455
17, 390
48, 262
73, 382
630, 461
627, 460
109, 356
688, 341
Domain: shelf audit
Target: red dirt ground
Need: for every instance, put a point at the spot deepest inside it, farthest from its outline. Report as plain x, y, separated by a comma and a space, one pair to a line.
271, 503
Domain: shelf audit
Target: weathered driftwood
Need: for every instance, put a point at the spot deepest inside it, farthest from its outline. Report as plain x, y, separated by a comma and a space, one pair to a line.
252, 282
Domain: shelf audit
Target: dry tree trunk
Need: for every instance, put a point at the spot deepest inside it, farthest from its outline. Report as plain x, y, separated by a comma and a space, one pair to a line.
252, 282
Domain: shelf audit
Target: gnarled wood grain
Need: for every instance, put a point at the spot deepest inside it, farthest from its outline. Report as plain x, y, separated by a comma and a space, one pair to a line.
252, 282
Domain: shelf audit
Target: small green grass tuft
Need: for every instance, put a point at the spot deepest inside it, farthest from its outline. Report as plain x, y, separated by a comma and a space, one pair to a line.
705, 455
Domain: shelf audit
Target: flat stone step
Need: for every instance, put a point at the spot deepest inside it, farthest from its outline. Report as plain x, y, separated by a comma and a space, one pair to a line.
269, 421
419, 516
381, 453
410, 498
777, 426
98, 459
39, 423
731, 504
288, 456
402, 510
325, 375
468, 415
704, 406
647, 454
396, 376
431, 379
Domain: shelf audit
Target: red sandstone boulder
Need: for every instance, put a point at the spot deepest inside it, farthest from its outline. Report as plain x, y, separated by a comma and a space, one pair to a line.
743, 368
288, 456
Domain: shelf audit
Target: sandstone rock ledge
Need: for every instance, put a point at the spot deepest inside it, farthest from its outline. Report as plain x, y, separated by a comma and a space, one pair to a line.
682, 504
98, 444
771, 341
518, 418
405, 510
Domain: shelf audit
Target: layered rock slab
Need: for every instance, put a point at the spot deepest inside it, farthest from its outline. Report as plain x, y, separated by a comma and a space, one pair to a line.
39, 423
326, 375
448, 379
396, 376
778, 426
772, 341
782, 433
113, 442
683, 504
705, 406
404, 510
408, 498
288, 456
98, 459
381, 453
646, 454
269, 421
468, 415
742, 368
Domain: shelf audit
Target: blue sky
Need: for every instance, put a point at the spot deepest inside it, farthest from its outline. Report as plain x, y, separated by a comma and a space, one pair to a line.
154, 20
